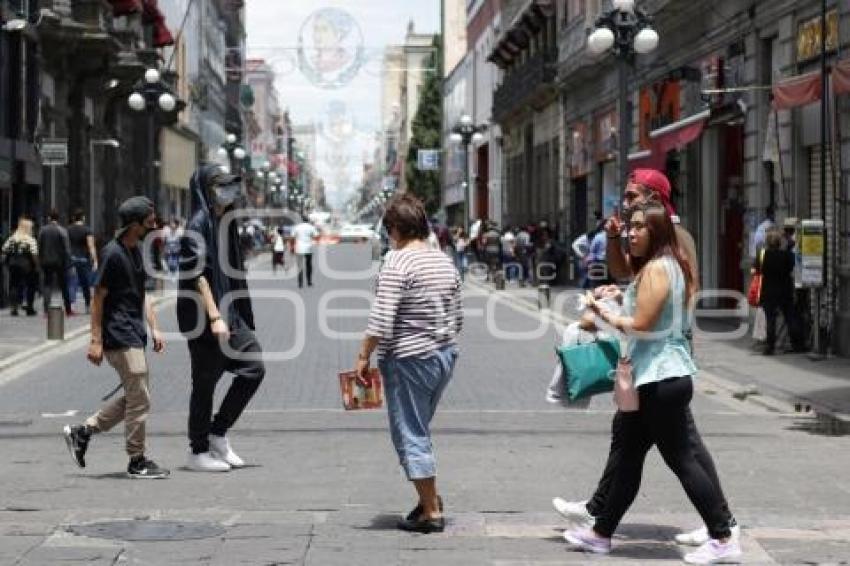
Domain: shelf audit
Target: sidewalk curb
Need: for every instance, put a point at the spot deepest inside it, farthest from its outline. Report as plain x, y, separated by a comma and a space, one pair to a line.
773, 402
49, 345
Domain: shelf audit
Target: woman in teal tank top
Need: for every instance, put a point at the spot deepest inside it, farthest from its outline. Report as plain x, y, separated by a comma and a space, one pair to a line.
655, 324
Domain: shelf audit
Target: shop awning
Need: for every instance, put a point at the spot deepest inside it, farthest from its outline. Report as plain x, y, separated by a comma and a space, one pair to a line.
841, 77
124, 7
153, 16
667, 138
678, 134
797, 91
647, 159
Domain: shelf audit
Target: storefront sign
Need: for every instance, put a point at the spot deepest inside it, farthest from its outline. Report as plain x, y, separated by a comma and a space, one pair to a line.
812, 244
809, 36
659, 106
605, 133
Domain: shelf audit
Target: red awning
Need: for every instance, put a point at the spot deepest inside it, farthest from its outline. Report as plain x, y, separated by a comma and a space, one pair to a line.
667, 138
647, 159
797, 91
678, 134
841, 77
152, 16
124, 7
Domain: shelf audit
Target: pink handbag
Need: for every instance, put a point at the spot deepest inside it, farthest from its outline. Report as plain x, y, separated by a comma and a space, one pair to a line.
625, 392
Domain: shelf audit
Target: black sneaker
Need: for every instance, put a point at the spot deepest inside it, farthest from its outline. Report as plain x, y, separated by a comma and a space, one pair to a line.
142, 468
77, 438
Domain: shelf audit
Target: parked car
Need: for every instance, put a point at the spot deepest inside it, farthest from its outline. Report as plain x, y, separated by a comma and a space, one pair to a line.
359, 233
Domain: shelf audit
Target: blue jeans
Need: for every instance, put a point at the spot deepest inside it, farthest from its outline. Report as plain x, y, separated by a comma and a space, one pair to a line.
413, 388
82, 268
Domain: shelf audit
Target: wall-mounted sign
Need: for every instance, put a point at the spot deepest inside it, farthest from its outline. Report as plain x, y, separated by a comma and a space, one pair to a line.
579, 150
812, 244
54, 153
809, 36
605, 134
659, 105
428, 160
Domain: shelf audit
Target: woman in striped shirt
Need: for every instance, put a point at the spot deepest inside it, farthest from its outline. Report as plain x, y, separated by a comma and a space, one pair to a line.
413, 324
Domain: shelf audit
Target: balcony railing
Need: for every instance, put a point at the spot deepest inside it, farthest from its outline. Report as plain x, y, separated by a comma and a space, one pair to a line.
528, 84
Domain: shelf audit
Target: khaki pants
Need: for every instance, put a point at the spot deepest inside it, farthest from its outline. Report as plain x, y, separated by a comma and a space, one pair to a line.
134, 405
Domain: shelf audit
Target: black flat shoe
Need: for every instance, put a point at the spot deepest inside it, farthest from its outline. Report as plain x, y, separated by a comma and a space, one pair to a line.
424, 526
414, 514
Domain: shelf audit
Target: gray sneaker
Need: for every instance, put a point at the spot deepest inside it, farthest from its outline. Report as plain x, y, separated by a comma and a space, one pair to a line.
142, 468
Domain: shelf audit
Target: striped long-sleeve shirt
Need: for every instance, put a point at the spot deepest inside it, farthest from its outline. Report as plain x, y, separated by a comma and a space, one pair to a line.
417, 307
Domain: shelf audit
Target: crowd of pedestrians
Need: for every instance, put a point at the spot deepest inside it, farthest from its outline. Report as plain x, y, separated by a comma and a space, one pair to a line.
413, 326
62, 260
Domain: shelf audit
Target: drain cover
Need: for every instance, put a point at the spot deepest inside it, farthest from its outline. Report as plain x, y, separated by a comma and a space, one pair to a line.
142, 530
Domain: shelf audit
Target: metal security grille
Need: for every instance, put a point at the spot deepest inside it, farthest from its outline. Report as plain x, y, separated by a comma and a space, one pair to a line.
815, 156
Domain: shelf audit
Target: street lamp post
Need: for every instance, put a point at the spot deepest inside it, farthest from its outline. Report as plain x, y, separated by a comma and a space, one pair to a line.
466, 133
149, 96
626, 30
233, 152
113, 143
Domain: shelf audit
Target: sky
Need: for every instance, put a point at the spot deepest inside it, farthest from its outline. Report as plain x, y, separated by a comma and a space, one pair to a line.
334, 87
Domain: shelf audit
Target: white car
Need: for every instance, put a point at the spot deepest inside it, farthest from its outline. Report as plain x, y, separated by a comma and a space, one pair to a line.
356, 233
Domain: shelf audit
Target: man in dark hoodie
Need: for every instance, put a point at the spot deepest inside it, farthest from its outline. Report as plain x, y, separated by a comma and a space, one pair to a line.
215, 313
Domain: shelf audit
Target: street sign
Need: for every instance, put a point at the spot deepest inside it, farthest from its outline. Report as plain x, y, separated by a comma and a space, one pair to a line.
428, 160
54, 153
811, 247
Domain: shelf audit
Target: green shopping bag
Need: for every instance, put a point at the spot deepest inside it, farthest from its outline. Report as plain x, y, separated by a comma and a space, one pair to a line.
589, 368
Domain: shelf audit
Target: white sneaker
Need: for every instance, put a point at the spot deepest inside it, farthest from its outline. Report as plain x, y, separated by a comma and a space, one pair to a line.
220, 448
716, 552
699, 537
206, 462
574, 511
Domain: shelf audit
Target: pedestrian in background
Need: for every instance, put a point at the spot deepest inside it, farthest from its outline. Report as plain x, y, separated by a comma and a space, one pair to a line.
777, 291
20, 255
83, 255
54, 256
119, 310
509, 254
654, 325
524, 254
492, 247
414, 321
305, 234
461, 245
278, 251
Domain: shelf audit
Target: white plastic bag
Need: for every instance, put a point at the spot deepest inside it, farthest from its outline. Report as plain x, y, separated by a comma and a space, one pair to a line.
760, 326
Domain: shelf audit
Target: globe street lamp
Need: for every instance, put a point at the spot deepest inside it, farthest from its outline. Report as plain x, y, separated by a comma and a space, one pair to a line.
626, 30
232, 152
465, 132
151, 95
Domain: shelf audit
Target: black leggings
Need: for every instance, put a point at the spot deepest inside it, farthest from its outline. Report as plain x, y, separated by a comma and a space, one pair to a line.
704, 459
662, 421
